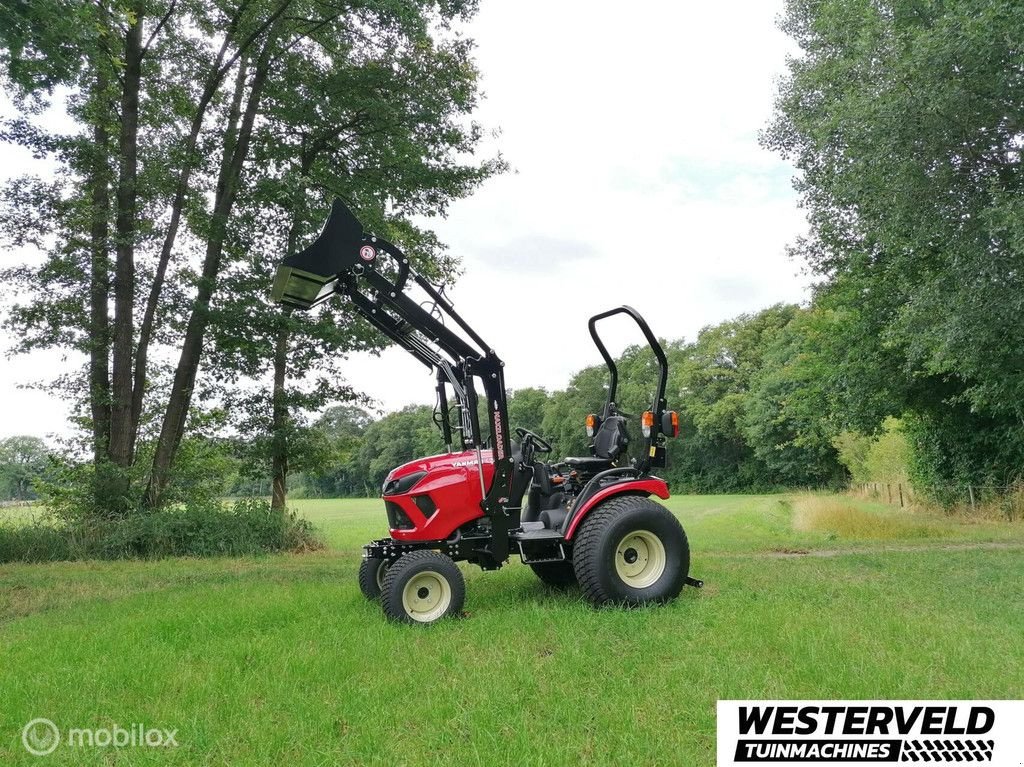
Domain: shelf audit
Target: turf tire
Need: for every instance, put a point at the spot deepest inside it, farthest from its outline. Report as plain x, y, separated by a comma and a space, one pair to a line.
371, 577
557, 575
606, 528
439, 578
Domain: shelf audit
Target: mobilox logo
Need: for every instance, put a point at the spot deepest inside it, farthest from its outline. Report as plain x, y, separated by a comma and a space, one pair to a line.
41, 737
869, 732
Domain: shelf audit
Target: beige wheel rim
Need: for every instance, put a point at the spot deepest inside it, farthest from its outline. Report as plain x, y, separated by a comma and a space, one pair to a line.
426, 596
382, 570
640, 559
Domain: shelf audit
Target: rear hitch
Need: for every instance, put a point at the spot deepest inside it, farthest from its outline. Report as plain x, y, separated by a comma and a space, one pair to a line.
695, 582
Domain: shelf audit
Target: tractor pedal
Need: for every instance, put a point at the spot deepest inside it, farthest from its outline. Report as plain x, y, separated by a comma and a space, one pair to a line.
695, 582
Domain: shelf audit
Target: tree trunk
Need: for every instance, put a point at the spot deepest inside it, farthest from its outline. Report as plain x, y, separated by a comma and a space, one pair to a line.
279, 442
235, 151
279, 423
99, 289
218, 70
120, 448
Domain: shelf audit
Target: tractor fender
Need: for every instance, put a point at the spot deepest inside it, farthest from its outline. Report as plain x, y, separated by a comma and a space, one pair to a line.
645, 487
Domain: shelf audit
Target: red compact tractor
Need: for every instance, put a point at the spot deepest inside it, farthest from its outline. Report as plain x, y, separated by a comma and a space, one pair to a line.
586, 520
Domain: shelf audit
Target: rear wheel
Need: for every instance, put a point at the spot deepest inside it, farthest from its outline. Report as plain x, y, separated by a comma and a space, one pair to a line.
557, 575
633, 551
423, 587
371, 576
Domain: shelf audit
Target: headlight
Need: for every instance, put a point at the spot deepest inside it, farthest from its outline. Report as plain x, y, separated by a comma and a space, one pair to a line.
403, 485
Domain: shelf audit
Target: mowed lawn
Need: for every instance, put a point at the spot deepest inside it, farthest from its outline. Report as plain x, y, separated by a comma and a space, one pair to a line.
280, 660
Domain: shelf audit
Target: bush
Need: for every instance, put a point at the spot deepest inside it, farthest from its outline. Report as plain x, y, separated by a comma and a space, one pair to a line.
33, 541
248, 526
884, 457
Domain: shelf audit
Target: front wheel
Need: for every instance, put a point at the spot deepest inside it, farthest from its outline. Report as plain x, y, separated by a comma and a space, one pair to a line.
631, 551
371, 576
423, 587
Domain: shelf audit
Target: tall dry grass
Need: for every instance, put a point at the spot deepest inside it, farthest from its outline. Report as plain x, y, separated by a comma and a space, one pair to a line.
846, 518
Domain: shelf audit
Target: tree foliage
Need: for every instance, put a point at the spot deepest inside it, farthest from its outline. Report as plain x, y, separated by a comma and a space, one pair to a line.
906, 121
734, 378
208, 142
24, 461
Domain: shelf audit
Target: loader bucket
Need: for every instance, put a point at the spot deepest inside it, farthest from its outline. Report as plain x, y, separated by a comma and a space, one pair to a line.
307, 278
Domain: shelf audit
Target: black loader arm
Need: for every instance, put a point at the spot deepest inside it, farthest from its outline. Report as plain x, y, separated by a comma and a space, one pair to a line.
373, 275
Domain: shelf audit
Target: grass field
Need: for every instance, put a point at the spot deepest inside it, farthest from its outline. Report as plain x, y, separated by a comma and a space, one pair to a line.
279, 660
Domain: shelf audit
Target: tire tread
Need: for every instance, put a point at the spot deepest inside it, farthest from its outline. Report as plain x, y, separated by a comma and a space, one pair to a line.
391, 597
588, 549
557, 575
368, 578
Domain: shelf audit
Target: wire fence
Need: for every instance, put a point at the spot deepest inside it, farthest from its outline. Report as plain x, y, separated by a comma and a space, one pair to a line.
995, 500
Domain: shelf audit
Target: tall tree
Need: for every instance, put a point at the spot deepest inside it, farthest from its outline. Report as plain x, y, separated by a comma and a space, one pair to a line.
178, 105
381, 134
906, 121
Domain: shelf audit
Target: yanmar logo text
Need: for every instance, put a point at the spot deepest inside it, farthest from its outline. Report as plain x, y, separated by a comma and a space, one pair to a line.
869, 732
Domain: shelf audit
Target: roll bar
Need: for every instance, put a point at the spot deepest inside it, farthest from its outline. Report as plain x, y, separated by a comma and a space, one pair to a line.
659, 404
653, 453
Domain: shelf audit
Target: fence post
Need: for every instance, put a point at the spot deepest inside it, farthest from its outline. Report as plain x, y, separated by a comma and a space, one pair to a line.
970, 492
899, 486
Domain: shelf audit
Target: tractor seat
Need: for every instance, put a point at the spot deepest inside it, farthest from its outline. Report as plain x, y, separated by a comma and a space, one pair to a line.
589, 464
610, 442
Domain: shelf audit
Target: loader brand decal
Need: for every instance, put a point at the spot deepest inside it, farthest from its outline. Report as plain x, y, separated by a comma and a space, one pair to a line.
499, 433
867, 732
367, 253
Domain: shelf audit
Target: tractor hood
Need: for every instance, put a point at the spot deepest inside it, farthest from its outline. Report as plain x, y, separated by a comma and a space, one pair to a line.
463, 460
307, 278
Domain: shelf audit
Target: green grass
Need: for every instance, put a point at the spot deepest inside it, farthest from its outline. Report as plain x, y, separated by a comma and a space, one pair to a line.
22, 514
278, 659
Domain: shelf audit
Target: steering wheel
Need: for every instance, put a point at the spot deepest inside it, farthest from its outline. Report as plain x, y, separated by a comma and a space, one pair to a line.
539, 444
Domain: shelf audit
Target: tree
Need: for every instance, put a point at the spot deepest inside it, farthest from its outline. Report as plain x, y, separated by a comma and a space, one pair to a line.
23, 461
392, 129
564, 424
789, 419
344, 427
906, 122
526, 409
710, 383
191, 144
114, 63
395, 439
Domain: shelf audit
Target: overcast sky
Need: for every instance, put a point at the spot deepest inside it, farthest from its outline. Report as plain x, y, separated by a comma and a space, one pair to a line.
637, 178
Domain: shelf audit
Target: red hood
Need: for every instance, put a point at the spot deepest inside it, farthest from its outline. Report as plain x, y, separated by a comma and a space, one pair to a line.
451, 482
466, 458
